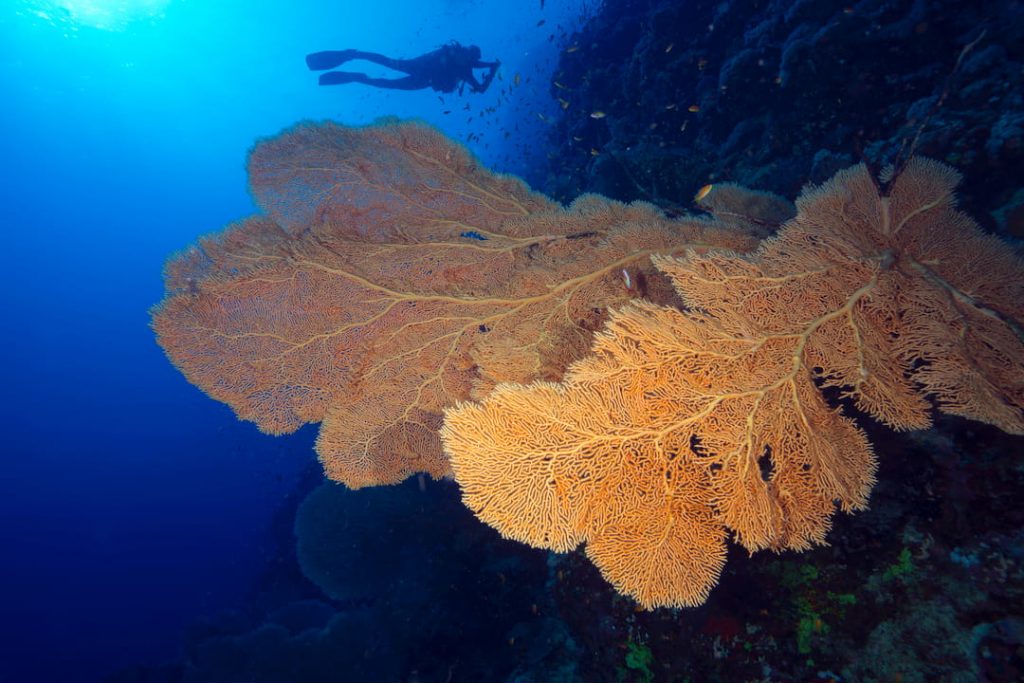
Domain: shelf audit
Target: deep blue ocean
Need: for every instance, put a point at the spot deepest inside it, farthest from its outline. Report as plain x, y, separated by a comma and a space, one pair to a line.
147, 535
131, 503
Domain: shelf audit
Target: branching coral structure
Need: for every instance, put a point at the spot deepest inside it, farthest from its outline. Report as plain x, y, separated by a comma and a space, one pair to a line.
390, 277
688, 423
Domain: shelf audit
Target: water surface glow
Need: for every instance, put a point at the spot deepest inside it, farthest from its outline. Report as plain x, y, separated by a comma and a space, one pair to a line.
108, 15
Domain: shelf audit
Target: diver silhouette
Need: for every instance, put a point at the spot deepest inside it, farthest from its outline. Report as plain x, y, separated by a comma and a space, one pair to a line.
445, 69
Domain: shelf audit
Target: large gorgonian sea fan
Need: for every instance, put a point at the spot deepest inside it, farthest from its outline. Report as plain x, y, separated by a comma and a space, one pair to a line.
687, 423
392, 276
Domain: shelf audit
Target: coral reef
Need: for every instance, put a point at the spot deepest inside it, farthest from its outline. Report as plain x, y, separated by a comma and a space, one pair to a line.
392, 278
658, 98
773, 94
926, 584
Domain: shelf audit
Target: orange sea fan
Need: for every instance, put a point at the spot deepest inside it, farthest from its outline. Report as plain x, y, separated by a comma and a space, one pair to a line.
393, 276
688, 422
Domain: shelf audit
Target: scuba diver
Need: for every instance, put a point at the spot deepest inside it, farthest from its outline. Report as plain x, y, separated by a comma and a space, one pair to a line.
445, 69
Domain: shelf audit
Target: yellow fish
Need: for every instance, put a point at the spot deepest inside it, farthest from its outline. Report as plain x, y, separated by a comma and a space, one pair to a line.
597, 114
703, 192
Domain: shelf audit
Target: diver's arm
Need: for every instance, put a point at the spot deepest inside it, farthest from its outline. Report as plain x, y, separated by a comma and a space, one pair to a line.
493, 66
474, 84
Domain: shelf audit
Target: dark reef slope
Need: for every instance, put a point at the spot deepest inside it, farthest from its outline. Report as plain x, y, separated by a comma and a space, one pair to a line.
772, 94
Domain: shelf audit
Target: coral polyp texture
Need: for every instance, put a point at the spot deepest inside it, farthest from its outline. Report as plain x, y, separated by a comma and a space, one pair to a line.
391, 276
686, 424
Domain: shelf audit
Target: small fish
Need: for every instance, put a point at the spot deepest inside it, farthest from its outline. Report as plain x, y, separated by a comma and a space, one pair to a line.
541, 116
593, 152
703, 192
559, 85
540, 23
693, 108
517, 79
670, 106
577, 138
447, 111
597, 114
669, 47
564, 103
572, 48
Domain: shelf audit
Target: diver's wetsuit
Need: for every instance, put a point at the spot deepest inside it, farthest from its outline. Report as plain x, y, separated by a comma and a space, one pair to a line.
444, 69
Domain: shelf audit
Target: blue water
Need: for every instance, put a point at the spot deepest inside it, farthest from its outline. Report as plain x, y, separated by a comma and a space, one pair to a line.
131, 504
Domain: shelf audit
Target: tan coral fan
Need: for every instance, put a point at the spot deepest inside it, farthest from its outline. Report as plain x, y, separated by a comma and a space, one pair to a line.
393, 277
683, 424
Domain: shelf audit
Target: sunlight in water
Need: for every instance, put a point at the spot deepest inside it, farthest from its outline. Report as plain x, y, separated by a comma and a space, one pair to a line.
109, 15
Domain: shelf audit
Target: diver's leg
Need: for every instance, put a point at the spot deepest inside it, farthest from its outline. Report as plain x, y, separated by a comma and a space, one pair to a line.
377, 58
328, 59
407, 83
342, 77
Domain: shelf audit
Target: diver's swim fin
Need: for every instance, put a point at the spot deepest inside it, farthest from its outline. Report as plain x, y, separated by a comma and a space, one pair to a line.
318, 61
340, 78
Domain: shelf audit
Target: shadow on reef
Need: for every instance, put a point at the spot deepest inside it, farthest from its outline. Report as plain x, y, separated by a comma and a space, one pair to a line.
413, 589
